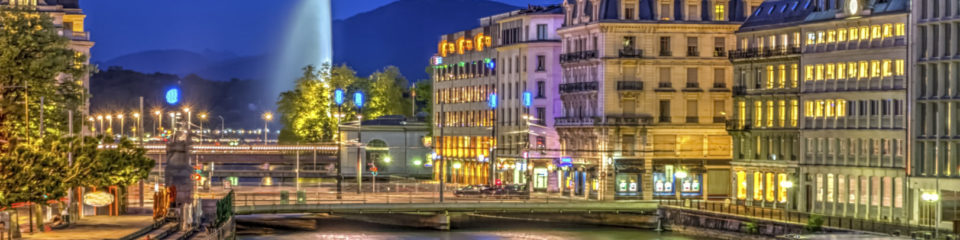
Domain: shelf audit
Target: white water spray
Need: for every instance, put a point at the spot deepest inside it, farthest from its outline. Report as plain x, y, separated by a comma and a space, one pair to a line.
308, 40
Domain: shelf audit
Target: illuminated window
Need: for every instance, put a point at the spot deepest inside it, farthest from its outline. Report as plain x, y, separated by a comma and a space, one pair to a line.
820, 37
819, 73
841, 71
770, 188
888, 30
819, 108
757, 186
811, 38
719, 12
831, 36
770, 113
864, 69
794, 112
782, 193
782, 109
876, 32
899, 67
853, 34
852, 69
796, 39
887, 68
783, 76
794, 75
742, 111
900, 29
841, 189
808, 73
741, 185
874, 68
758, 113
864, 32
841, 108
829, 108
842, 35
831, 71
819, 187
829, 187
770, 76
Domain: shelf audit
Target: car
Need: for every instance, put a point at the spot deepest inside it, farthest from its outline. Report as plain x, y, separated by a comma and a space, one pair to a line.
512, 191
473, 191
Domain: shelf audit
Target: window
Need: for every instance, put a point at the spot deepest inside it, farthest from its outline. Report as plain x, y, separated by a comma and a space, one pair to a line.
794, 112
770, 188
629, 42
692, 78
831, 71
841, 187
830, 188
887, 69
719, 78
664, 110
794, 75
541, 89
628, 12
665, 46
782, 83
541, 116
665, 78
820, 37
853, 34
864, 69
842, 35
692, 50
876, 32
770, 113
742, 113
757, 186
819, 187
719, 110
899, 67
841, 71
542, 32
875, 68
692, 115
875, 187
808, 73
900, 29
741, 185
758, 113
853, 192
852, 70
719, 12
782, 110
888, 30
692, 12
864, 32
819, 73
831, 36
719, 47
541, 63
811, 38
665, 11
771, 77
898, 192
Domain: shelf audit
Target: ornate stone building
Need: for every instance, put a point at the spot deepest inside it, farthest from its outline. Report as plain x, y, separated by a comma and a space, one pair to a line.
645, 92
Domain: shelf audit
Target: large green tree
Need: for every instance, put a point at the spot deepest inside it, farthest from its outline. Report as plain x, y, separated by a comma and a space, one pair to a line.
387, 94
308, 112
36, 63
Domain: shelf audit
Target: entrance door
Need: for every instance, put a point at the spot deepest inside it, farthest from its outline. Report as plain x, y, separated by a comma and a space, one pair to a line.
809, 201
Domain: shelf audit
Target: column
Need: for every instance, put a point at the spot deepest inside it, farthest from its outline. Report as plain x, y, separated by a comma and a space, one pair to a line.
704, 188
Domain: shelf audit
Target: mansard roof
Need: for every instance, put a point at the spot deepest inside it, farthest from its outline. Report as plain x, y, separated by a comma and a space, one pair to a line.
609, 10
773, 14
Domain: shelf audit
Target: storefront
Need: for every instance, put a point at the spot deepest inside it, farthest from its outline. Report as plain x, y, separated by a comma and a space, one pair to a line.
668, 179
628, 179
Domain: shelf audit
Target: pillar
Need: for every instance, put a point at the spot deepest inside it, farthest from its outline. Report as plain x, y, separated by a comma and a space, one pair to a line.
704, 187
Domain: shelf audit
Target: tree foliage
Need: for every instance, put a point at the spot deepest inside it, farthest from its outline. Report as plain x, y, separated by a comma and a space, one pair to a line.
307, 111
121, 166
36, 62
386, 94
31, 173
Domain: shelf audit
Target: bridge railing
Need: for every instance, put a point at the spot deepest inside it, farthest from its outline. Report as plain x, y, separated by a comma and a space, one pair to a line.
308, 197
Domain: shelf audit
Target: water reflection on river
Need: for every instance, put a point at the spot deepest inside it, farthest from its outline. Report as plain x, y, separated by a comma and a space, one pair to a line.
500, 229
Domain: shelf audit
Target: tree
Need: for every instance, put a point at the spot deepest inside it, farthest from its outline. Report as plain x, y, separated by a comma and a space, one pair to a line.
308, 111
424, 100
36, 62
31, 173
122, 166
386, 94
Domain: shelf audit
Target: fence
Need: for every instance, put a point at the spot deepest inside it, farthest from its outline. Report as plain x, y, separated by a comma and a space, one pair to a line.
803, 217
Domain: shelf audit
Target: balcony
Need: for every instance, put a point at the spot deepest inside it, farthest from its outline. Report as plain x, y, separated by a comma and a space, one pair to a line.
630, 85
578, 87
664, 87
576, 121
577, 56
719, 87
664, 119
693, 119
631, 53
739, 90
719, 119
693, 52
666, 53
692, 87
719, 53
770, 52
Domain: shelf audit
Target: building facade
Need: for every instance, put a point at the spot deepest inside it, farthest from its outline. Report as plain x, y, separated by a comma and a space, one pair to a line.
645, 94
764, 123
935, 57
464, 77
395, 145
853, 129
529, 49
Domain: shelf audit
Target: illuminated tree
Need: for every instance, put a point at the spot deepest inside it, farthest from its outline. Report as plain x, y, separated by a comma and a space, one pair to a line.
35, 63
305, 111
386, 94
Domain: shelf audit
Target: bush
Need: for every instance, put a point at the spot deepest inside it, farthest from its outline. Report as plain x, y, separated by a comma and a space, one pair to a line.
814, 224
751, 227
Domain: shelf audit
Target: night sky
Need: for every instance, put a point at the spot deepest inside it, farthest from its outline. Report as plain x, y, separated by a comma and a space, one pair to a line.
242, 27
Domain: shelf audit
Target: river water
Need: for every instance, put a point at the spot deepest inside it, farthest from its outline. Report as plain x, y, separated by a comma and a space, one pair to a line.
501, 229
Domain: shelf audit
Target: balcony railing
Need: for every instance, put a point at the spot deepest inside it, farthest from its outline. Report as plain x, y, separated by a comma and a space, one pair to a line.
769, 52
629, 85
665, 53
578, 87
693, 52
739, 90
693, 85
719, 53
664, 85
719, 85
631, 53
577, 56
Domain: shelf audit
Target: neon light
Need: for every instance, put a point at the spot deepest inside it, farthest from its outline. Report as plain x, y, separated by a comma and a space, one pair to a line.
527, 99
338, 96
173, 96
358, 99
492, 100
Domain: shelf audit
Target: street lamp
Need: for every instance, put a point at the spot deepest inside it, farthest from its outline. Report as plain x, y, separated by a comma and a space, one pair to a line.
100, 117
189, 120
138, 129
203, 118
492, 102
338, 99
120, 117
110, 124
221, 128
93, 125
159, 120
266, 118
358, 101
934, 198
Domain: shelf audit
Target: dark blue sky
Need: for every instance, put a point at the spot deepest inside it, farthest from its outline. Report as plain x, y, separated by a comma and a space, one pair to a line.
243, 27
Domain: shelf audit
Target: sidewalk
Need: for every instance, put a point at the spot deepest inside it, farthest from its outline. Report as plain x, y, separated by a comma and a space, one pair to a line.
98, 227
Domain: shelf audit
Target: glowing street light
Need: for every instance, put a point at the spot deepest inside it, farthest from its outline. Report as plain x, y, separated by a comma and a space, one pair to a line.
100, 117
203, 118
120, 117
267, 116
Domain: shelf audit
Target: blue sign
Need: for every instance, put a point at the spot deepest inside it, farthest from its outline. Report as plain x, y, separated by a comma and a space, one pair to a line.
490, 63
173, 96
527, 99
358, 99
492, 100
338, 96
566, 162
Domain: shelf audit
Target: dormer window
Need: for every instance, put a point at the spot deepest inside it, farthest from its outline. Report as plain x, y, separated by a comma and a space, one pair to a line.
665, 12
629, 12
719, 12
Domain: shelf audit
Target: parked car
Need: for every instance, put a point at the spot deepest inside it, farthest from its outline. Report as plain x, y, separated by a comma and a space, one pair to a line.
512, 191
474, 191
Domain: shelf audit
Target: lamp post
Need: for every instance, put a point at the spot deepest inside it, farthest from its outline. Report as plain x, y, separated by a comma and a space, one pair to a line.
358, 101
527, 102
173, 121
492, 102
93, 125
158, 119
203, 118
100, 118
221, 128
189, 120
136, 132
110, 124
338, 99
120, 117
266, 118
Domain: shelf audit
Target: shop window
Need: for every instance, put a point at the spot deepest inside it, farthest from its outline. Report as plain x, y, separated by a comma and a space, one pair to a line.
757, 186
782, 191
770, 187
741, 185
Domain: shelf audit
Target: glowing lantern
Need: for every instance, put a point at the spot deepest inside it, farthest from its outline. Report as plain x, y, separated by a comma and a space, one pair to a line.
98, 199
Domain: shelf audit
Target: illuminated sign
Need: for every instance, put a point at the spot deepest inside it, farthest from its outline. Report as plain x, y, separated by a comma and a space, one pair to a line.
98, 199
464, 44
566, 162
172, 96
492, 100
527, 99
338, 96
